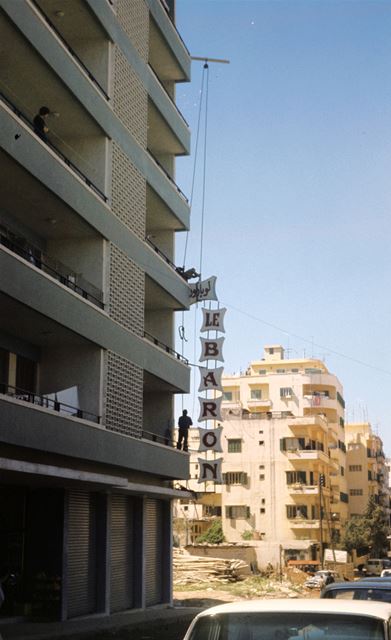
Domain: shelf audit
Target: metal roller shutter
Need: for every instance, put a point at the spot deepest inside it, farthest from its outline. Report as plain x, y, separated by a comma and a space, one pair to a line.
154, 552
81, 554
122, 564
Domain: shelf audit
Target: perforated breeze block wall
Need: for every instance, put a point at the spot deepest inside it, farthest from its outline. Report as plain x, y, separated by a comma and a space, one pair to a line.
124, 393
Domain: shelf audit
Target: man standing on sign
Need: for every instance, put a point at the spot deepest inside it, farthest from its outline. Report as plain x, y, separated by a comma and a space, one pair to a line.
184, 423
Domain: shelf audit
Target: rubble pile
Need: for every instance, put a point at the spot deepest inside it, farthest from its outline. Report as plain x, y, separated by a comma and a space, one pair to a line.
189, 569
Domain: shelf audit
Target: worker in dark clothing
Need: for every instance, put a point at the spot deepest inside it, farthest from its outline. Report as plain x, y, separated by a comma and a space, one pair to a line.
40, 126
184, 423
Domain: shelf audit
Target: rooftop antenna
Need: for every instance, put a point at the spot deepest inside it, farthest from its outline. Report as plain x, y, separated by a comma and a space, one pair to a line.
206, 60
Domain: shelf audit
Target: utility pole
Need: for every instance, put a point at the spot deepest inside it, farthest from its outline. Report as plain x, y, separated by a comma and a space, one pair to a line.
321, 484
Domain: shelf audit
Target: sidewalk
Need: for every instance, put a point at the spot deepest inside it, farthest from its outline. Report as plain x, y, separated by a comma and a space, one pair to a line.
158, 622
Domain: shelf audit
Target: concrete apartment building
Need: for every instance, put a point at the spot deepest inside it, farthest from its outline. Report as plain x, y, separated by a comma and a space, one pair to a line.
88, 290
366, 469
283, 453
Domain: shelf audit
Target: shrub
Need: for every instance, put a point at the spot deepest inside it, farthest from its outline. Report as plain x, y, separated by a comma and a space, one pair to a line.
213, 535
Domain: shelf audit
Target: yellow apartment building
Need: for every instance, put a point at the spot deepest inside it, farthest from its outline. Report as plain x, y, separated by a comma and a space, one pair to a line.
284, 459
366, 468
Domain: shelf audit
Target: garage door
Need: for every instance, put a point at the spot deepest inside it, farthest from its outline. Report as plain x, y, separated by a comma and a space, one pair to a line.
122, 565
154, 552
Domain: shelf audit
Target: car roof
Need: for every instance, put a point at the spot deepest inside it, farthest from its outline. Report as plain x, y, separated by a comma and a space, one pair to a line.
301, 605
366, 583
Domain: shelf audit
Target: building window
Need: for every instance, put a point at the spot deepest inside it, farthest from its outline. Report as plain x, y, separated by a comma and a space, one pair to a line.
235, 445
312, 370
256, 394
296, 477
240, 512
262, 372
294, 370
262, 510
299, 511
227, 396
355, 492
235, 477
281, 371
342, 470
355, 467
286, 392
344, 497
261, 466
261, 431
261, 442
263, 501
262, 476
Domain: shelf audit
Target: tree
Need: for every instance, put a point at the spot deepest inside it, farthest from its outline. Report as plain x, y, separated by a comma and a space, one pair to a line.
368, 533
213, 535
378, 526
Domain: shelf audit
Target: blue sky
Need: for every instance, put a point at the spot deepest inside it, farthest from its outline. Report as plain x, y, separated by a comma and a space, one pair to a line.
297, 224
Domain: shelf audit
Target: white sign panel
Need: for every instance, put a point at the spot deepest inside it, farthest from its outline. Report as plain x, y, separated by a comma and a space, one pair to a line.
212, 349
205, 290
210, 409
213, 320
340, 555
210, 379
210, 439
210, 470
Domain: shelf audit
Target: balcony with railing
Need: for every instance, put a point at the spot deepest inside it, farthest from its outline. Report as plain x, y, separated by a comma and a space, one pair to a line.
75, 168
158, 343
51, 266
47, 402
169, 57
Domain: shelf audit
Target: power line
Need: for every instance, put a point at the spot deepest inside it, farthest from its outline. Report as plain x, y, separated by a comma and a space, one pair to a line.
307, 340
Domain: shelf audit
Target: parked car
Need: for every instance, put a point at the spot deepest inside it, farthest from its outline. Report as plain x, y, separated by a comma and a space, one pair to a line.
365, 589
302, 619
320, 579
386, 573
375, 566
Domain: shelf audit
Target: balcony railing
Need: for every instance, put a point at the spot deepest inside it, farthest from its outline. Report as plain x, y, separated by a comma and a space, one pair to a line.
165, 347
52, 267
71, 51
47, 403
160, 253
68, 162
244, 414
154, 437
171, 179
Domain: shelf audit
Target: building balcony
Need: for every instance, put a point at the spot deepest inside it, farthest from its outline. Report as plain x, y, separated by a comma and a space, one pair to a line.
49, 402
319, 402
304, 523
305, 489
255, 403
79, 32
168, 54
26, 127
165, 348
308, 425
52, 267
307, 455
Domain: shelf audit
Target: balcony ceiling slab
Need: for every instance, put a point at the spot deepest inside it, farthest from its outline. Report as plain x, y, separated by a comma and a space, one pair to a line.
25, 198
21, 322
71, 18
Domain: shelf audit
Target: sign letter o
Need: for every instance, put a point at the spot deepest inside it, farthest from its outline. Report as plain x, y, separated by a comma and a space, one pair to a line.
209, 439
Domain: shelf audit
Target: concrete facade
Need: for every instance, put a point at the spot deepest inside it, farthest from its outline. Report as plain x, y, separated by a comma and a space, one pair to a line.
89, 210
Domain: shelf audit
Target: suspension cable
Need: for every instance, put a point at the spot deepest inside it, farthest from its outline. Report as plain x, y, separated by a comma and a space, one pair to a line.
195, 158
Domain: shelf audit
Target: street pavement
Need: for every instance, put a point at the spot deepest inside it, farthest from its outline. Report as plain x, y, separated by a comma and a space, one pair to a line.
153, 624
